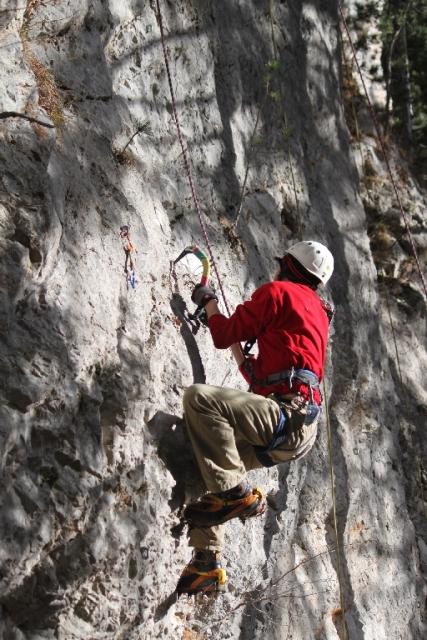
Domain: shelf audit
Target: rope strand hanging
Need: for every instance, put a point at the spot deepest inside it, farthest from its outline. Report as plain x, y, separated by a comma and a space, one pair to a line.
252, 138
387, 295
186, 158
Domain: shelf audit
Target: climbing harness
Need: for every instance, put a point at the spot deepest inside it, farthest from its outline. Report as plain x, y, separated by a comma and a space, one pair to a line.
263, 453
305, 376
198, 317
289, 375
295, 413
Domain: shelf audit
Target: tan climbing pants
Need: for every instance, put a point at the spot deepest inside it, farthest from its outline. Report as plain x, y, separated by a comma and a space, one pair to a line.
224, 426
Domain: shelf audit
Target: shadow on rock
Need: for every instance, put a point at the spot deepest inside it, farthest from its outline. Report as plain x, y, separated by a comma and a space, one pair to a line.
187, 331
174, 448
164, 606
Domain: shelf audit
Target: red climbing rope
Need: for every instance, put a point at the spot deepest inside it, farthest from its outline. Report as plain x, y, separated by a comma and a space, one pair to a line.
185, 156
384, 152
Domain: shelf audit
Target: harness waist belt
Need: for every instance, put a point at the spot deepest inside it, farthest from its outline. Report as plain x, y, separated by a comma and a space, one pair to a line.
303, 375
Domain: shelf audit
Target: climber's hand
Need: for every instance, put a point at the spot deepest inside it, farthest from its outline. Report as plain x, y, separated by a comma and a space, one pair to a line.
203, 294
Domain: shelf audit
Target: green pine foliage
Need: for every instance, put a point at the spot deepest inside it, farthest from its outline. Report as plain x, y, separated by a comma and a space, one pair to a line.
417, 54
412, 15
403, 29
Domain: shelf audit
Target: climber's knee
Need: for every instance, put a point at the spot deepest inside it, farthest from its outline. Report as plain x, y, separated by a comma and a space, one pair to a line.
192, 395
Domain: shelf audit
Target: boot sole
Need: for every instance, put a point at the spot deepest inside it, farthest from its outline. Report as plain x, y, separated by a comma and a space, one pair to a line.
211, 590
259, 510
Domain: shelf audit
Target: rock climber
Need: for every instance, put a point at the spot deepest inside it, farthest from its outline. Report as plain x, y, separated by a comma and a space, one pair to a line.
128, 247
234, 431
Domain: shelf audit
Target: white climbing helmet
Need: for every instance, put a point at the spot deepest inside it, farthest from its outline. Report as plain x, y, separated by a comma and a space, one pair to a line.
314, 257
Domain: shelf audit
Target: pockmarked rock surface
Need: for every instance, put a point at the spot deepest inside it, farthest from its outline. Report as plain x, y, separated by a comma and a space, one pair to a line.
94, 460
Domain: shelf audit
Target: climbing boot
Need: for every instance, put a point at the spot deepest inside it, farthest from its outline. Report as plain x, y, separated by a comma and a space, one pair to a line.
216, 508
203, 574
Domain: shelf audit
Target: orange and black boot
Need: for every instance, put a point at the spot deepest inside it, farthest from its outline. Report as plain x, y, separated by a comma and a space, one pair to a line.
216, 508
202, 574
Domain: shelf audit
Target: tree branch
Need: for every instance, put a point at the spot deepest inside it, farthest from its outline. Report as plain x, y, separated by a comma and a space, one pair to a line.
15, 114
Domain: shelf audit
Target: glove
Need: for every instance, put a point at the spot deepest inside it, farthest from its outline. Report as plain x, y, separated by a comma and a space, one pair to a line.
203, 294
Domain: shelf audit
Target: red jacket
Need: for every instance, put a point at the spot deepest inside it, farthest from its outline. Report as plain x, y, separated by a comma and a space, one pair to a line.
290, 323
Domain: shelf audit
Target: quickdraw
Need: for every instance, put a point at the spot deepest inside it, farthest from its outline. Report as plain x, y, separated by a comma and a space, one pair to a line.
199, 316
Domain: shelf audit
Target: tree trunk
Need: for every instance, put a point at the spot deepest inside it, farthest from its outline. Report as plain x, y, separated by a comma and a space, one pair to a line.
397, 73
401, 89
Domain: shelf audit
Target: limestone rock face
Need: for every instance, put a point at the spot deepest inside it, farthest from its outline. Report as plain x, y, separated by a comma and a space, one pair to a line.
95, 465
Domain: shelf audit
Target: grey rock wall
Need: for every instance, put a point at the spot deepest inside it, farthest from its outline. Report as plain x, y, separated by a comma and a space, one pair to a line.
95, 465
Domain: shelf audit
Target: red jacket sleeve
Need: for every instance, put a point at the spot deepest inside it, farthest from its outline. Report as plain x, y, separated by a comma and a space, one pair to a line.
248, 321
